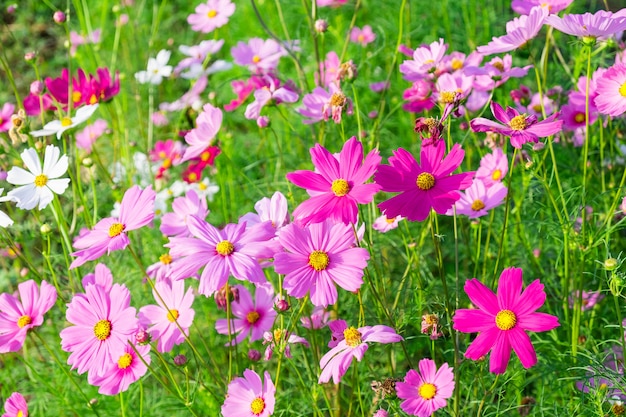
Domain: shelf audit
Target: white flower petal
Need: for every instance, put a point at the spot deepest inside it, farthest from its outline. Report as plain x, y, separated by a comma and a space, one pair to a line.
51, 156
31, 160
5, 220
19, 176
84, 113
26, 195
58, 186
45, 196
59, 168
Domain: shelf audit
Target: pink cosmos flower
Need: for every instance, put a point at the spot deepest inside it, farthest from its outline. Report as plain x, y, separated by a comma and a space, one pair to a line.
384, 224
573, 113
493, 167
317, 257
109, 234
88, 136
329, 69
452, 88
478, 199
427, 391
353, 343
260, 56
162, 269
17, 317
525, 6
243, 89
425, 187
598, 26
5, 117
211, 15
274, 210
175, 223
167, 152
280, 340
317, 320
102, 276
611, 89
248, 396
362, 36
331, 3
425, 61
588, 301
102, 324
15, 406
521, 128
323, 105
208, 123
119, 374
495, 73
174, 307
518, 31
419, 97
273, 93
196, 54
502, 321
338, 186
252, 318
231, 251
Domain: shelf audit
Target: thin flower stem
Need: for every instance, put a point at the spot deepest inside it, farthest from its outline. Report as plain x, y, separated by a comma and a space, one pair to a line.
122, 407
358, 112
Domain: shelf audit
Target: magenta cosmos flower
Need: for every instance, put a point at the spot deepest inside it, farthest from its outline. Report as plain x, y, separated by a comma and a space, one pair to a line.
248, 396
211, 15
348, 343
109, 234
250, 317
317, 257
231, 251
611, 91
127, 369
15, 406
102, 324
259, 55
518, 31
521, 128
502, 321
17, 317
422, 187
173, 313
589, 26
427, 391
338, 186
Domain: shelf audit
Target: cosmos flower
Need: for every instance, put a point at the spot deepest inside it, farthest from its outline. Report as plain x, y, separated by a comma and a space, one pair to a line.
15, 406
281, 340
175, 223
122, 372
478, 199
5, 117
338, 185
260, 56
323, 105
596, 26
363, 36
157, 69
273, 93
611, 89
273, 209
427, 391
208, 123
384, 224
553, 6
502, 321
211, 15
38, 185
248, 396
57, 127
88, 136
425, 61
493, 167
518, 31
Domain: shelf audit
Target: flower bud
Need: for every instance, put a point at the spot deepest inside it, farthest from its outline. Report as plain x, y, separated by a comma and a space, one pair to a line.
59, 17
254, 355
282, 305
45, 229
610, 264
263, 122
321, 26
142, 337
180, 360
36, 88
30, 56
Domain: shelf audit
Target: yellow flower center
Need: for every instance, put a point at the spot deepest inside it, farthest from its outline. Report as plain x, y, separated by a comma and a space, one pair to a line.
253, 317
618, 410
124, 361
211, 14
278, 334
457, 64
116, 229
256, 59
340, 187
337, 100
352, 336
505, 320
431, 319
447, 97
93, 99
102, 329
319, 260
76, 96
41, 180
425, 181
192, 177
499, 65
497, 174
165, 259
202, 186
173, 315
478, 205
225, 248
518, 122
388, 220
257, 406
23, 321
622, 90
579, 118
20, 413
66, 121
429, 61
361, 38
427, 391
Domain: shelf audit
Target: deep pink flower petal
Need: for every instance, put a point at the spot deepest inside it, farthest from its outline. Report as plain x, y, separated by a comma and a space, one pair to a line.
530, 300
500, 354
471, 321
509, 288
481, 296
520, 342
482, 344
537, 322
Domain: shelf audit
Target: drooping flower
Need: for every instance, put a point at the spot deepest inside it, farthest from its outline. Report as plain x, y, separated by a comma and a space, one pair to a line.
430, 324
323, 105
15, 406
317, 258
521, 128
248, 396
353, 344
109, 234
611, 90
422, 187
363, 36
478, 199
280, 340
17, 317
384, 224
502, 321
596, 26
338, 186
173, 313
427, 391
38, 185
250, 317
211, 15
57, 127
103, 321
518, 31
157, 69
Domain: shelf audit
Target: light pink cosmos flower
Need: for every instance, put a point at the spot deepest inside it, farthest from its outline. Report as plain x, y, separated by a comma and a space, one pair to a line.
363, 36
128, 368
175, 223
231, 251
419, 96
280, 340
317, 258
274, 210
611, 89
248, 396
331, 3
521, 128
518, 31
196, 54
102, 276
425, 61
574, 115
427, 391
493, 167
5, 117
329, 70
250, 317
338, 186
452, 88
422, 187
588, 300
211, 15
273, 93
103, 321
478, 199
495, 73
15, 406
502, 321
317, 320
384, 224
109, 234
597, 26
208, 123
17, 317
88, 136
553, 6
162, 269
260, 56
174, 306
323, 105
353, 344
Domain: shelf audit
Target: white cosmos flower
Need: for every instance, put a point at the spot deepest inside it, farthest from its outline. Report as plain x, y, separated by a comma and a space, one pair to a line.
157, 69
38, 185
5, 220
59, 126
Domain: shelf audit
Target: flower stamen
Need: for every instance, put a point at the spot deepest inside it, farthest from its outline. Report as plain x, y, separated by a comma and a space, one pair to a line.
116, 229
125, 361
319, 260
102, 329
425, 181
225, 248
352, 336
340, 187
505, 320
427, 391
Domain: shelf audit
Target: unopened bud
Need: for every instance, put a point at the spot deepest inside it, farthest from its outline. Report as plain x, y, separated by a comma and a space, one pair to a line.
143, 337
45, 229
36, 88
254, 355
610, 264
282, 305
58, 17
263, 122
321, 26
180, 360
30, 56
